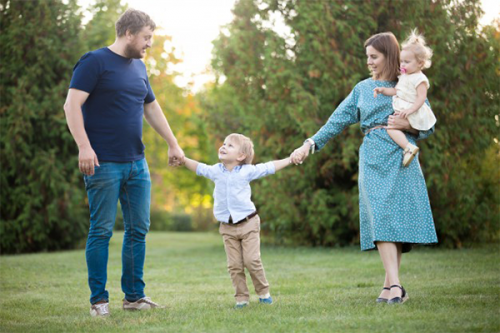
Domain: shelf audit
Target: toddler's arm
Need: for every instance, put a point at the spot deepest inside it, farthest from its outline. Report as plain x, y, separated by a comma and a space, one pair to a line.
191, 164
419, 101
384, 91
280, 164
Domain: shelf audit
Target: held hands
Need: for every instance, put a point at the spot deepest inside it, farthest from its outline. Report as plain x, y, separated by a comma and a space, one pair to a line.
300, 154
87, 160
176, 156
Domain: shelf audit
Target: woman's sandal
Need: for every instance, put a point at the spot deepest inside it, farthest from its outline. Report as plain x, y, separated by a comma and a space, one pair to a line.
381, 299
399, 300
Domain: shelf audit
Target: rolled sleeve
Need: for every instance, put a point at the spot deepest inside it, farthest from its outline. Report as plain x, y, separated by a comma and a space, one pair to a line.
425, 134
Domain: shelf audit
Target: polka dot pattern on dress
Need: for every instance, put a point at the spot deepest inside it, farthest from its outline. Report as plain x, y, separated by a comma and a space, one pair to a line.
393, 200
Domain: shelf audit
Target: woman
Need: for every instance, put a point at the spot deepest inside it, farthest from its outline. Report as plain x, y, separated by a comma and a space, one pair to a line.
393, 201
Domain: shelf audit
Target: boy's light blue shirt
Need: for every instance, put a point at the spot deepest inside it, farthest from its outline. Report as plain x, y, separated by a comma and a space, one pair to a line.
232, 193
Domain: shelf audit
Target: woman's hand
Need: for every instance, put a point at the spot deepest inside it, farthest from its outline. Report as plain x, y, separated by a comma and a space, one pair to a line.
300, 154
405, 113
396, 122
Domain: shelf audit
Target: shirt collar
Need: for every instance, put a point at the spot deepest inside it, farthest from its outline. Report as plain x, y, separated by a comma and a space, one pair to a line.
236, 168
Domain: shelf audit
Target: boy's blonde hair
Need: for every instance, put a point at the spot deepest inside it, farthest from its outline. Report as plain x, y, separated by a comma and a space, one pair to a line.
246, 146
416, 44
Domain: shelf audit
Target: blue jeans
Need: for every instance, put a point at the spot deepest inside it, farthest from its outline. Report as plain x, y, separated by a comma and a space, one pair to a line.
131, 184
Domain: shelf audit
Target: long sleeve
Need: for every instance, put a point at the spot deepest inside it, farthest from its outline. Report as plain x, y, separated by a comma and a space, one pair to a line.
425, 134
257, 171
347, 113
207, 171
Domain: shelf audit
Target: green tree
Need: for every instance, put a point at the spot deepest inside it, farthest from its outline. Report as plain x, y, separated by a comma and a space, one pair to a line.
176, 190
100, 30
42, 196
282, 81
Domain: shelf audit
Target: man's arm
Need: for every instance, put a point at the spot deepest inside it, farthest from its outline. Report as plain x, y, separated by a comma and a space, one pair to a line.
155, 117
87, 159
191, 164
280, 164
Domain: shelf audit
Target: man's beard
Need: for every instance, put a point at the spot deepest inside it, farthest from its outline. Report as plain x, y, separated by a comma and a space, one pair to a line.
132, 53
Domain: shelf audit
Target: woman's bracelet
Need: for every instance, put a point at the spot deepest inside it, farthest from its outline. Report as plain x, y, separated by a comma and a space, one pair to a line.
313, 144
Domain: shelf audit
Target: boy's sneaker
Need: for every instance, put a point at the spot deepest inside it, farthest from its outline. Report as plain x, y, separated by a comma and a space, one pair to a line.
409, 153
268, 300
241, 305
144, 303
99, 310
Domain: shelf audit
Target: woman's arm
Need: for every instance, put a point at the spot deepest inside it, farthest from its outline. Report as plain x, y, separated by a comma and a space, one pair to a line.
402, 124
395, 122
346, 114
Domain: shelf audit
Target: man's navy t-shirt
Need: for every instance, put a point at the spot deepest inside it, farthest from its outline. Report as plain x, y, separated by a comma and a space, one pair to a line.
113, 112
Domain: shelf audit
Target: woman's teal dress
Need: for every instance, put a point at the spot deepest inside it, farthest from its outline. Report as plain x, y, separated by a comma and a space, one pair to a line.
393, 200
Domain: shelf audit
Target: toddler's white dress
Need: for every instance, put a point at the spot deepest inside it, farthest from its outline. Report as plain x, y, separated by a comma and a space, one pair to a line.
423, 119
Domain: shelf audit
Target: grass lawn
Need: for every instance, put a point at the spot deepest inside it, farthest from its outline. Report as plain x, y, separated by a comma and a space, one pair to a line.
315, 290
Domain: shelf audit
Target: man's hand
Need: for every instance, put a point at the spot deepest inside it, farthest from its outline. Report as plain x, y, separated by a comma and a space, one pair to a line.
176, 156
87, 160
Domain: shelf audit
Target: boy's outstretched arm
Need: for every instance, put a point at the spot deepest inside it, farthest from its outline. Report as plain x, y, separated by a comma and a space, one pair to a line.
191, 164
280, 164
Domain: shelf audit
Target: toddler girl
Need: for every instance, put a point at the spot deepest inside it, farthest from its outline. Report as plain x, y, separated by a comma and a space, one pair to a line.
410, 93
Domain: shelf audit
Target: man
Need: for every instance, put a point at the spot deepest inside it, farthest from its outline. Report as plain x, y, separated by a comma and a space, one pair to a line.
109, 95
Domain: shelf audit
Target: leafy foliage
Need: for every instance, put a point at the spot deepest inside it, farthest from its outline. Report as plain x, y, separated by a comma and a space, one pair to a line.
176, 190
100, 30
287, 64
43, 199
42, 192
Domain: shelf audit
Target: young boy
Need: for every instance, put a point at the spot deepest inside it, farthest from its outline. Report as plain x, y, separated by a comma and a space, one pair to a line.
233, 208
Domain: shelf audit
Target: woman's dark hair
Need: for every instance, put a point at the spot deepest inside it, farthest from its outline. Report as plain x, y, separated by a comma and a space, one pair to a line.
387, 44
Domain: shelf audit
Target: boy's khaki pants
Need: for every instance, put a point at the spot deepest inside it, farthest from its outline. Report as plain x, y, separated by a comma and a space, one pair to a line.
242, 245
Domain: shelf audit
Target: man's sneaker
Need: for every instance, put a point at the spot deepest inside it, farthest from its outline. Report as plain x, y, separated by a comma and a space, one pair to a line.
99, 310
268, 300
241, 305
144, 303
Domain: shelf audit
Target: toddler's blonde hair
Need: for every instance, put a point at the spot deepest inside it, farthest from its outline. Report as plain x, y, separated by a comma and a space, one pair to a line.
416, 44
246, 146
